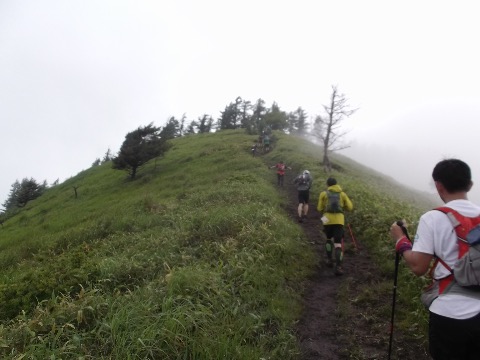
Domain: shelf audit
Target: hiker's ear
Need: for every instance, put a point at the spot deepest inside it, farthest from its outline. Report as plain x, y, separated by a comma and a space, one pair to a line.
439, 186
470, 186
442, 191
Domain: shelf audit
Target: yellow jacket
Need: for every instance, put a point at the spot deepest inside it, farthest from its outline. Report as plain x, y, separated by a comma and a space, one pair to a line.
345, 203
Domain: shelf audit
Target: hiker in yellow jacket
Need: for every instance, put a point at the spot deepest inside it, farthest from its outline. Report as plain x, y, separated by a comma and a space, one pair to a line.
331, 204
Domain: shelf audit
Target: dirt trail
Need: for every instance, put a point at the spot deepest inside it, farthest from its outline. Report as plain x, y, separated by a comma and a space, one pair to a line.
333, 329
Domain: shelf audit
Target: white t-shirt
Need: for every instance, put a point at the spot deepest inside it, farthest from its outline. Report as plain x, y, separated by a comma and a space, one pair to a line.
436, 236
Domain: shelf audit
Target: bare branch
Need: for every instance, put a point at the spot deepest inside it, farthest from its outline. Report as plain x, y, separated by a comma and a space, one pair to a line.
326, 128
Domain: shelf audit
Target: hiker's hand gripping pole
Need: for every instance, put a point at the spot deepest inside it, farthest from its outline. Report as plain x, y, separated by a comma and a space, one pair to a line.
403, 243
404, 229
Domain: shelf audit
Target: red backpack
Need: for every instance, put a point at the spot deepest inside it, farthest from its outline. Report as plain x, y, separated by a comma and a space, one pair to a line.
464, 277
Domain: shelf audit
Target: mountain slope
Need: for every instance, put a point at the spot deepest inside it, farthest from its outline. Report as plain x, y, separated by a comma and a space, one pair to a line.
196, 258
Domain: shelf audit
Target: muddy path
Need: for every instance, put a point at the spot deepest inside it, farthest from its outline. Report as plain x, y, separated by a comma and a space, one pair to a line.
342, 317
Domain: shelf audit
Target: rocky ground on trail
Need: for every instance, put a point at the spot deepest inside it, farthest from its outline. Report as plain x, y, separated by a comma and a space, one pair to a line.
331, 329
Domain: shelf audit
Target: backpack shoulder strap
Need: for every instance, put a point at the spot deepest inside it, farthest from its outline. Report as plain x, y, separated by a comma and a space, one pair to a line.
461, 224
454, 217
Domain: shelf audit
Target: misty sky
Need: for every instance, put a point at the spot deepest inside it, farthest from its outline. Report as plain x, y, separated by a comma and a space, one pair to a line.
77, 76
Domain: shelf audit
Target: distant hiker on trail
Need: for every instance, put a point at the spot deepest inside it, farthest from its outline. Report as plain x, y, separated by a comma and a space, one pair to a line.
254, 149
266, 143
281, 167
304, 183
454, 325
331, 204
260, 138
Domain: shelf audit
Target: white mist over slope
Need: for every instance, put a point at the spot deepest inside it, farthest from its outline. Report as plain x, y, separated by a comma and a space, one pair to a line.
77, 76
408, 152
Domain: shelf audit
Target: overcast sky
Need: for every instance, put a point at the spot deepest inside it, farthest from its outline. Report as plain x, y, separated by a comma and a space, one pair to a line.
77, 76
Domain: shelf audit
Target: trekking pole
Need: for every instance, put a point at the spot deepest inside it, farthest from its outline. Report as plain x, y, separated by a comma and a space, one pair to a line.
353, 237
397, 260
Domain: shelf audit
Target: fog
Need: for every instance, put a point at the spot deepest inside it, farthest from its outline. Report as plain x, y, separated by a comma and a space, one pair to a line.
77, 76
409, 151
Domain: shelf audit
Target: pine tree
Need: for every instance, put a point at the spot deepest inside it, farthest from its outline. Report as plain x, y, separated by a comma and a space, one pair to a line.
139, 147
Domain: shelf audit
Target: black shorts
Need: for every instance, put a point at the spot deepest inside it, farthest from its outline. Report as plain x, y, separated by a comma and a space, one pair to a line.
303, 196
334, 231
453, 338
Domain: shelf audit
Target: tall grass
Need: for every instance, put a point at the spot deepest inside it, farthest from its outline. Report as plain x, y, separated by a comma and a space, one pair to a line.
195, 259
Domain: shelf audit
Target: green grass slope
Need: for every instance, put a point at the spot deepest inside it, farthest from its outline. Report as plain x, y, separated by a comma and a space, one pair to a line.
195, 259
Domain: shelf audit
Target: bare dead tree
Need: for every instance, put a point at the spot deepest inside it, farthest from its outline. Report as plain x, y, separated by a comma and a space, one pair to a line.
327, 127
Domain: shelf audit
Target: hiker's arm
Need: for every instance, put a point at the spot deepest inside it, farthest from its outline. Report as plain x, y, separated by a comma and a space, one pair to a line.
321, 202
417, 261
347, 202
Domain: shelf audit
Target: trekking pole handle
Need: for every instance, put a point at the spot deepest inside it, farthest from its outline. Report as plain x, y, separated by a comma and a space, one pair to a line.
404, 229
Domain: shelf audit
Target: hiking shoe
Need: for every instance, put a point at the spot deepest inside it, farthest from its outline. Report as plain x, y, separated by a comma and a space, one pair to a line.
329, 263
300, 220
338, 271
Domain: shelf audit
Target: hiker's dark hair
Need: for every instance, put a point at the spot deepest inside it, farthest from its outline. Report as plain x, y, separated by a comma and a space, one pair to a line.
331, 181
453, 174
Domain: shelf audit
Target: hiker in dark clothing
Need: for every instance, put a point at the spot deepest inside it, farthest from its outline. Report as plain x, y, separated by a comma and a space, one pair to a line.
304, 183
254, 149
266, 143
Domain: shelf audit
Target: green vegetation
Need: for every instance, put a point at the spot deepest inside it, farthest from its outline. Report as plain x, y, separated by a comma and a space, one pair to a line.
195, 259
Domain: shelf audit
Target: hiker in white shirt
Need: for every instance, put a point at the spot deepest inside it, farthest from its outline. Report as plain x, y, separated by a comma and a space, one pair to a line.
454, 326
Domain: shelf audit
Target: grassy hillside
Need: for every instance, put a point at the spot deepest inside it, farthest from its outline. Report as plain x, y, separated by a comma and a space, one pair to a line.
195, 259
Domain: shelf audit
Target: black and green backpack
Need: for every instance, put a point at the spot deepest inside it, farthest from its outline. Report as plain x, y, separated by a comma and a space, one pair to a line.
333, 203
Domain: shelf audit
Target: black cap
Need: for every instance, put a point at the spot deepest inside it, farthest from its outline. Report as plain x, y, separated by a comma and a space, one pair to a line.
331, 181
